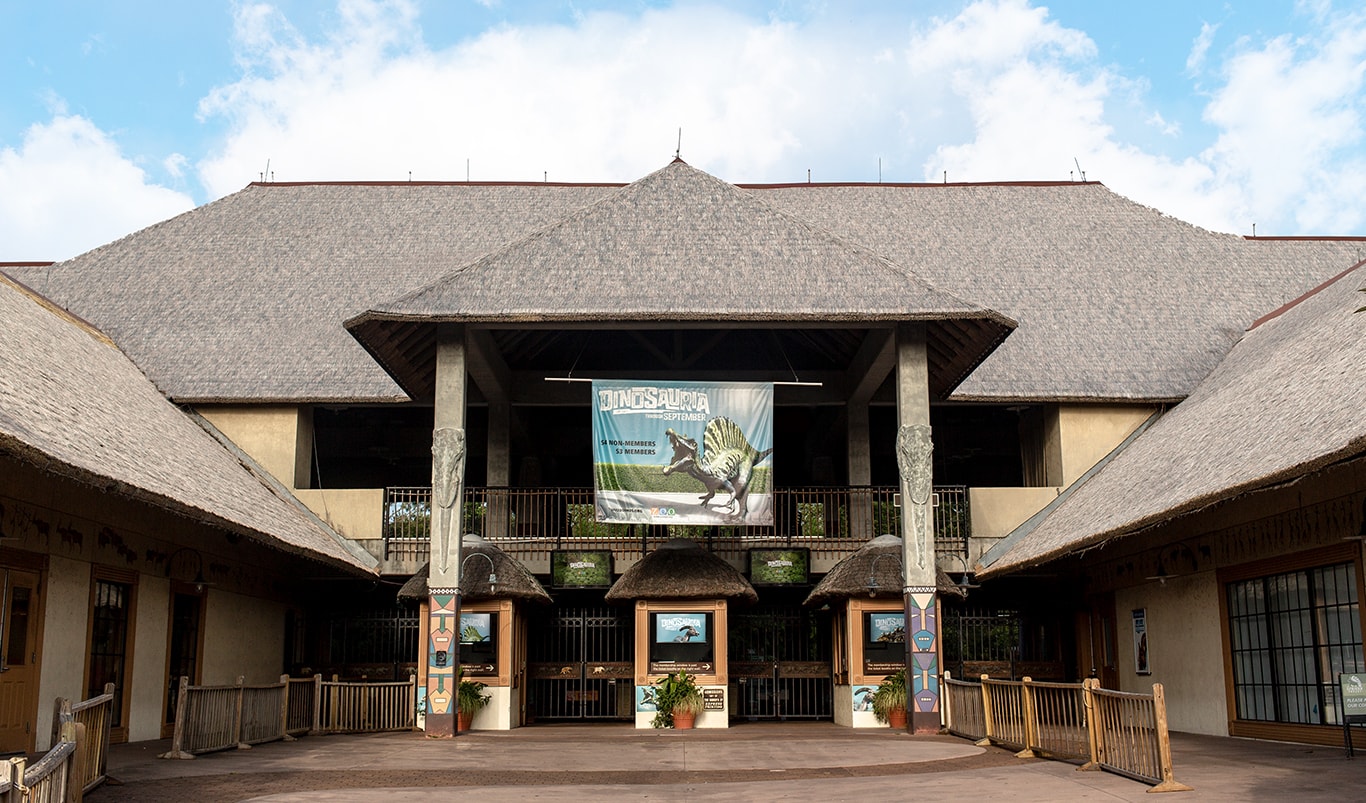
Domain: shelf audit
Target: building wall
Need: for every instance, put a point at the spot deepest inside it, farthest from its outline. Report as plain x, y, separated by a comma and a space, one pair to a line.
151, 632
243, 637
276, 436
357, 513
65, 619
1083, 434
1185, 650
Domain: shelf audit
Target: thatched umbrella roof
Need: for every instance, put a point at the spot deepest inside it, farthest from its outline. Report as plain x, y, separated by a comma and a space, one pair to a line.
680, 569
880, 558
514, 581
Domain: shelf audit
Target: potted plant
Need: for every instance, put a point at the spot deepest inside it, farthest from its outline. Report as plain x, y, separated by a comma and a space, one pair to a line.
677, 701
470, 697
889, 701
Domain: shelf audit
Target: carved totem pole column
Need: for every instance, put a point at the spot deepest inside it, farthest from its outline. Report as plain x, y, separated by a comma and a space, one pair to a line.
914, 452
443, 580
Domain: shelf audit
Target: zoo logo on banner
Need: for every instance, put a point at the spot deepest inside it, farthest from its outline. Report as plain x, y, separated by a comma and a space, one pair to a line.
683, 452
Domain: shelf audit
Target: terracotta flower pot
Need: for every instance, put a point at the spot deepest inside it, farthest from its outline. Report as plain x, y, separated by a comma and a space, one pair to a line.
684, 721
465, 719
896, 719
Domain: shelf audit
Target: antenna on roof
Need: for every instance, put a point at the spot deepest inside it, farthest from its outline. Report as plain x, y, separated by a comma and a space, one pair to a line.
410, 176
545, 176
808, 175
1254, 229
678, 152
267, 170
1080, 172
946, 177
879, 169
467, 171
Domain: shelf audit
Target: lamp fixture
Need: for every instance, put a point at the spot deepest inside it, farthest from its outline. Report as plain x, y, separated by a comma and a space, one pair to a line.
1171, 551
493, 571
200, 582
873, 585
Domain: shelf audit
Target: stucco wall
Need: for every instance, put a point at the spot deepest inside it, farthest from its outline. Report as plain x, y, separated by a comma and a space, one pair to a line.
148, 670
1185, 649
357, 513
271, 434
997, 511
243, 636
1088, 433
66, 615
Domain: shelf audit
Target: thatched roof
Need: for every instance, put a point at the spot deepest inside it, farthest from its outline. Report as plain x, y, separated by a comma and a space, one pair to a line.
880, 559
71, 403
1287, 401
514, 580
681, 246
681, 569
243, 299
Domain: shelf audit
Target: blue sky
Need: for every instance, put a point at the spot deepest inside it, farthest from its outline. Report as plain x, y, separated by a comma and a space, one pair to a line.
115, 115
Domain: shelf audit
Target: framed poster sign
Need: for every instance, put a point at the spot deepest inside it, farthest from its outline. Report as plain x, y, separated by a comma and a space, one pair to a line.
779, 567
479, 643
884, 642
581, 568
1141, 665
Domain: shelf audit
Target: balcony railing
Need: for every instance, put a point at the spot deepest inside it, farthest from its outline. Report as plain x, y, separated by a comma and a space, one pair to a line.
829, 521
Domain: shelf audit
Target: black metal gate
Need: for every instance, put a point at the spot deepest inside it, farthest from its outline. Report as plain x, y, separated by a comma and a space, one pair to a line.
780, 663
581, 664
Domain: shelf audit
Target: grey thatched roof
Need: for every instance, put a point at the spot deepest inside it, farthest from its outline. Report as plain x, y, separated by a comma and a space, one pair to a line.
681, 569
1114, 300
243, 299
73, 404
880, 559
1285, 402
514, 580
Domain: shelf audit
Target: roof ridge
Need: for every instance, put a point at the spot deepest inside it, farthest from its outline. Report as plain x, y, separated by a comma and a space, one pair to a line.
1289, 305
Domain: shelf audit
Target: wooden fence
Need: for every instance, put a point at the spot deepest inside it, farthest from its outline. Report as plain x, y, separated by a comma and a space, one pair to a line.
1121, 732
95, 717
54, 778
211, 718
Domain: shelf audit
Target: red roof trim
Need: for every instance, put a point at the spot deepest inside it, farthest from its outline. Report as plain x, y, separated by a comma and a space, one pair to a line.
789, 185
1330, 238
918, 184
27, 264
435, 184
1291, 305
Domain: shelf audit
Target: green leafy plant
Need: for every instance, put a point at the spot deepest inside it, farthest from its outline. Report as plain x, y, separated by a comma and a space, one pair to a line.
890, 695
470, 695
677, 692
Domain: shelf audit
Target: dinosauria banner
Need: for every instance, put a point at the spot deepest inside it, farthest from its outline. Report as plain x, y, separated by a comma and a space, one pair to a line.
683, 452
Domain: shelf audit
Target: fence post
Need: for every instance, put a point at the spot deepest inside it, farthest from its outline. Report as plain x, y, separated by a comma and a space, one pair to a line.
237, 714
1164, 745
75, 776
1031, 731
317, 705
946, 714
284, 709
57, 721
1088, 696
986, 713
16, 778
412, 700
178, 737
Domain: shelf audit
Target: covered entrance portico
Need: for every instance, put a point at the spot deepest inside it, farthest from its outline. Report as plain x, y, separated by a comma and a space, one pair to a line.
679, 277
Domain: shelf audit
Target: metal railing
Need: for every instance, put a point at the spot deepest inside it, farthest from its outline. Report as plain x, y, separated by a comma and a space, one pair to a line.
830, 521
1122, 732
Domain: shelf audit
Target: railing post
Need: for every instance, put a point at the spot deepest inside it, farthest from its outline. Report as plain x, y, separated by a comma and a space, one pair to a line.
411, 719
317, 705
16, 778
1031, 735
986, 713
178, 737
75, 776
284, 709
946, 712
57, 720
237, 715
1089, 709
1164, 745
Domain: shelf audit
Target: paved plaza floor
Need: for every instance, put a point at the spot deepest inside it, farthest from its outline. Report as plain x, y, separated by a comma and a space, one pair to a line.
750, 762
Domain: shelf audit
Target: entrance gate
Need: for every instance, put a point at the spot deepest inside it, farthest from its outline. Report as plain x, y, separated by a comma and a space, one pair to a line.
780, 663
581, 664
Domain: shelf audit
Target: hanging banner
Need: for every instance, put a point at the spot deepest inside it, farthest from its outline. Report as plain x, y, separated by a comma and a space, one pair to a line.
683, 452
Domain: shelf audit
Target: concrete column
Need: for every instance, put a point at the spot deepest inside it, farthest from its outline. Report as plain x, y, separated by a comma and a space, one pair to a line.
498, 467
448, 480
914, 449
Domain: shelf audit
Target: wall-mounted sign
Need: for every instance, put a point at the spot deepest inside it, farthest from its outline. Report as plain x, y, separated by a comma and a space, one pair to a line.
581, 568
1141, 665
479, 642
713, 699
777, 567
681, 641
683, 452
884, 642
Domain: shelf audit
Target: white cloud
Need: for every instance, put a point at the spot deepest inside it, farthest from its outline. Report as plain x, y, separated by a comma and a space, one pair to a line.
1195, 61
68, 189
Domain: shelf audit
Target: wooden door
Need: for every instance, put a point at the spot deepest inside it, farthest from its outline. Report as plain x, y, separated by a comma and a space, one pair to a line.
21, 614
1097, 648
186, 643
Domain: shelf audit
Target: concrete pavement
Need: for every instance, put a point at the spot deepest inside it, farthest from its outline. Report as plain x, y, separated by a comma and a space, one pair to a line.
750, 762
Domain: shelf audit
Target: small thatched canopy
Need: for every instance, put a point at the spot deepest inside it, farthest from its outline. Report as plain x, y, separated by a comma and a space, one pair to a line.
514, 581
880, 558
680, 569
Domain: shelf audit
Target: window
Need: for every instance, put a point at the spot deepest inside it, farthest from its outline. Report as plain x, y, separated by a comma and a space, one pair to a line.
109, 619
1290, 635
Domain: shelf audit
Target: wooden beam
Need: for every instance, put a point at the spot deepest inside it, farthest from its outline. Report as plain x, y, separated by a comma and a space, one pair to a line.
871, 365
